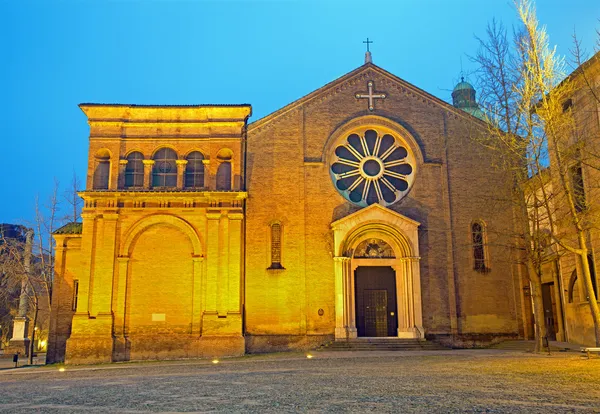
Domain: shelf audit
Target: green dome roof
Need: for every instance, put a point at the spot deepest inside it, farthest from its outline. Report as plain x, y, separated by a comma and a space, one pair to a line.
462, 86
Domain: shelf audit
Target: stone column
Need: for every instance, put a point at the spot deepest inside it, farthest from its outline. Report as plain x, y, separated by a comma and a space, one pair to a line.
207, 175
121, 178
401, 298
181, 173
148, 165
341, 299
350, 298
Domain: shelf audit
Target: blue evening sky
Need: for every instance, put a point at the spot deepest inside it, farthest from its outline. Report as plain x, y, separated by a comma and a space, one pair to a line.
57, 54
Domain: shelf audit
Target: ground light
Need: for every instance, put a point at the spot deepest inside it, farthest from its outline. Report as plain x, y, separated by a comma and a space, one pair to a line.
215, 361
61, 369
309, 356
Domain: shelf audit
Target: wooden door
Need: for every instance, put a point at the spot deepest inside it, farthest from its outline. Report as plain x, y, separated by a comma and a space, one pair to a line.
375, 302
376, 306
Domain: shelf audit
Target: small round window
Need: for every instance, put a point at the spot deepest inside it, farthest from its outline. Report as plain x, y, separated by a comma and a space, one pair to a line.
372, 167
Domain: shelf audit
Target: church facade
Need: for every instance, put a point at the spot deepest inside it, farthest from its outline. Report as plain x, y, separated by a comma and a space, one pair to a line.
364, 209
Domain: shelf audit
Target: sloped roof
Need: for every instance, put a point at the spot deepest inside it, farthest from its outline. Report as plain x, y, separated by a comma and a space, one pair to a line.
70, 228
331, 85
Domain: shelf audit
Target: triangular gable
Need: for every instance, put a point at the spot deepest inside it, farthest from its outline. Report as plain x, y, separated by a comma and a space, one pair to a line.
324, 90
371, 212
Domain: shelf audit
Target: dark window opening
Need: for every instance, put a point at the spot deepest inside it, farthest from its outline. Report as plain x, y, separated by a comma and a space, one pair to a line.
134, 170
572, 286
478, 247
75, 294
224, 176
194, 170
164, 173
592, 266
101, 175
276, 246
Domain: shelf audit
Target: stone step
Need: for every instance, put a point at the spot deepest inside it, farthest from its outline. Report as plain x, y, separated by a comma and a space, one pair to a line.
384, 344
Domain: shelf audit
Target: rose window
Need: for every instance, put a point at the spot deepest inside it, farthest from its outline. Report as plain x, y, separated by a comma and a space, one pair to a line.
371, 167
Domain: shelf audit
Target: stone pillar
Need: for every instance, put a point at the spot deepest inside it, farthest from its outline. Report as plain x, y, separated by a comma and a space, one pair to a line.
197, 304
350, 298
415, 273
341, 299
181, 173
212, 260
235, 262
120, 342
208, 176
101, 300
148, 165
121, 178
223, 271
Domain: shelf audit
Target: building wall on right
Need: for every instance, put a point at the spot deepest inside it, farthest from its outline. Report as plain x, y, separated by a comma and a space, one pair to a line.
584, 102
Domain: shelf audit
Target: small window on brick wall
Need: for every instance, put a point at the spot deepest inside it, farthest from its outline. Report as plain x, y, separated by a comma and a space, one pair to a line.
480, 258
75, 294
573, 293
276, 246
578, 188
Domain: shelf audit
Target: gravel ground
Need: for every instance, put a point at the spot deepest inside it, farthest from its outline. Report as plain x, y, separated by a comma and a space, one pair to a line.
444, 381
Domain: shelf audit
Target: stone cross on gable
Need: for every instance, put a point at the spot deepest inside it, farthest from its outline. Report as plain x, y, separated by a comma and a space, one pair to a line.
370, 96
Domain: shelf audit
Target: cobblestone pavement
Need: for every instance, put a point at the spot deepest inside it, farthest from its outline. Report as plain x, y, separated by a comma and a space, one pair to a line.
439, 381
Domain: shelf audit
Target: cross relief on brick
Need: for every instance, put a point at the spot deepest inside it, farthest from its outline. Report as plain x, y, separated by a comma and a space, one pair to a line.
371, 96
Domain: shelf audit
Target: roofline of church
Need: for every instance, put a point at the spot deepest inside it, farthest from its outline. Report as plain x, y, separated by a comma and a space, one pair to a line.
163, 106
313, 94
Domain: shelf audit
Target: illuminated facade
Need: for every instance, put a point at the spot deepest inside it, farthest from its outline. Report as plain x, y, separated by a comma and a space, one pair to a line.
347, 213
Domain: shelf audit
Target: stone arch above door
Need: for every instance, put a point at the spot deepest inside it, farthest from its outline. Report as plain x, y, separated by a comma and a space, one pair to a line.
379, 222
401, 235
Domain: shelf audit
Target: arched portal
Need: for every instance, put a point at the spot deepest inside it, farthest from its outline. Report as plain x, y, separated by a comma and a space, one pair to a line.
378, 287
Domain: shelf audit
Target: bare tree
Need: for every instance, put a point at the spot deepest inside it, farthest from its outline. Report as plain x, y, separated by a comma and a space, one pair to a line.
531, 105
518, 150
29, 266
72, 200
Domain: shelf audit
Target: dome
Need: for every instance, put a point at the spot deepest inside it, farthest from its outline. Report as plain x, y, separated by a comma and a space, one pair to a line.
463, 97
463, 86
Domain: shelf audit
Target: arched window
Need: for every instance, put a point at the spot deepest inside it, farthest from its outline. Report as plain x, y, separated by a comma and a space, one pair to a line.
592, 266
164, 173
102, 171
276, 246
194, 170
479, 253
573, 292
224, 176
134, 171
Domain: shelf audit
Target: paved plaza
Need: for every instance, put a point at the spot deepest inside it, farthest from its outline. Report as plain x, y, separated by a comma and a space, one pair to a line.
435, 381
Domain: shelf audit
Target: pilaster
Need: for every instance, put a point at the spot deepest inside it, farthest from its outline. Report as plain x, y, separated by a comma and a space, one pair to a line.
212, 260
148, 165
121, 178
341, 268
103, 271
181, 164
235, 262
